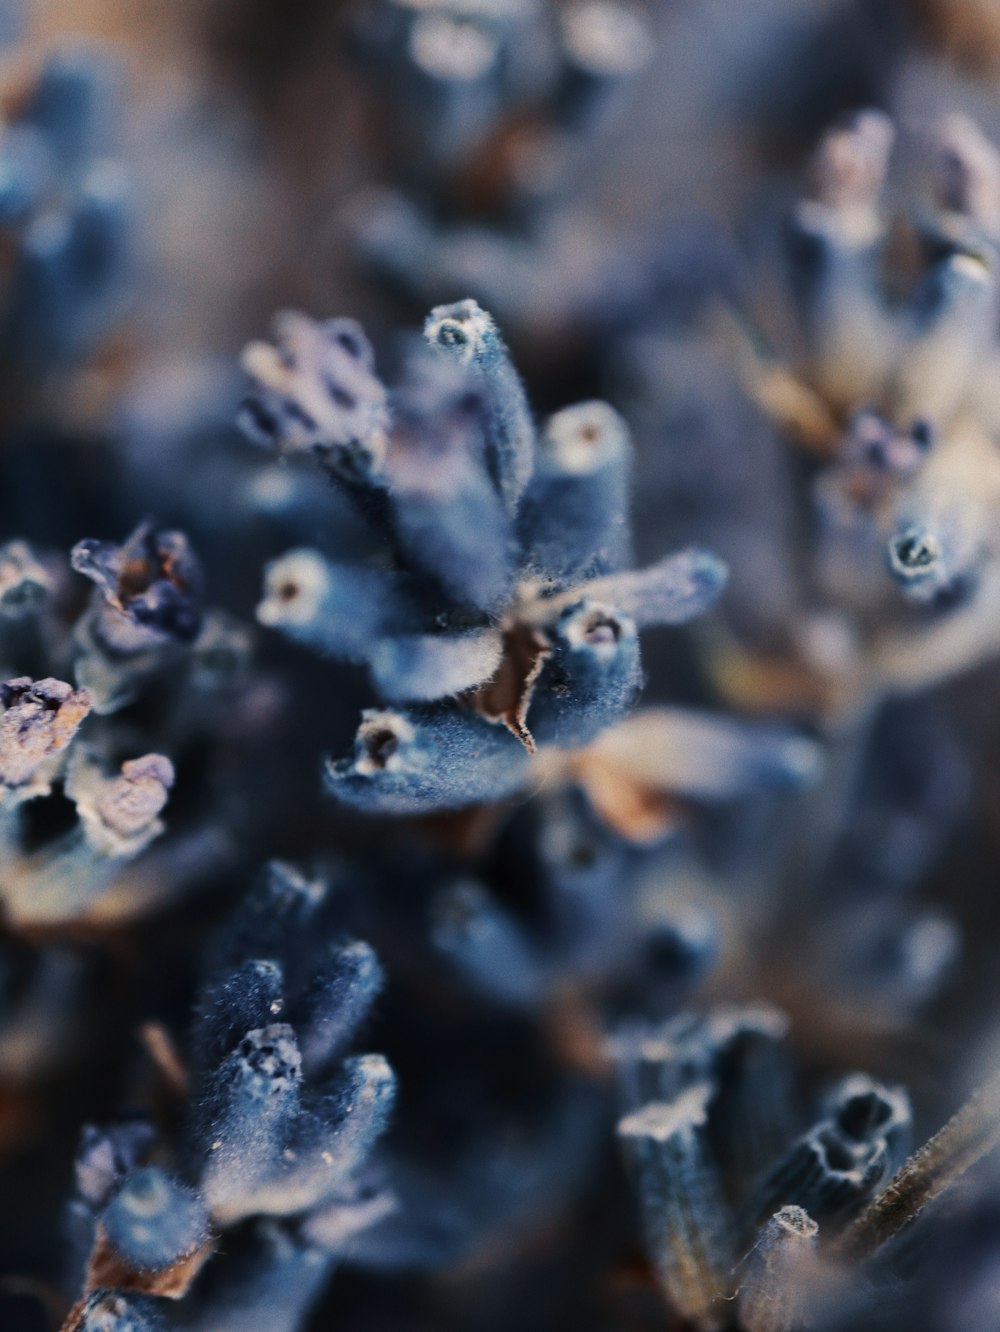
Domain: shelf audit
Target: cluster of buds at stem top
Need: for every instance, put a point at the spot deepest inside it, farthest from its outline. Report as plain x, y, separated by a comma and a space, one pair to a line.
271, 1167
491, 111
889, 383
495, 607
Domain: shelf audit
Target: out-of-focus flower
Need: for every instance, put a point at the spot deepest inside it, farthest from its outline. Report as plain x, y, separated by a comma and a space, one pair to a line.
65, 211
886, 383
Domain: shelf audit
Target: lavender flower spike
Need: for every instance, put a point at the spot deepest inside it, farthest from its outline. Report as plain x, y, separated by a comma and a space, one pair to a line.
498, 598
406, 762
154, 1221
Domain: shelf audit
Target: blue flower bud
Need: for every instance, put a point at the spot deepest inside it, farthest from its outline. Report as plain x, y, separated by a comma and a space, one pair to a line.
329, 1142
416, 668
673, 591
592, 677
467, 333
337, 1001
448, 520
412, 762
154, 1221
338, 608
574, 519
357, 1109
111, 1311
246, 1120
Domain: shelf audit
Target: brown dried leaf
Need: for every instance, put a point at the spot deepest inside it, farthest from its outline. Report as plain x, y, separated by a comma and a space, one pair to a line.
507, 696
634, 810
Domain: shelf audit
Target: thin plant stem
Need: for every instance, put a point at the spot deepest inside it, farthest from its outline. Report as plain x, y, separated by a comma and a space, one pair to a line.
970, 1133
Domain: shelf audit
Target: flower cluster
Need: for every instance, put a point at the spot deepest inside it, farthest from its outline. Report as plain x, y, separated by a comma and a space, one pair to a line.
548, 1008
493, 602
494, 109
885, 383
277, 1128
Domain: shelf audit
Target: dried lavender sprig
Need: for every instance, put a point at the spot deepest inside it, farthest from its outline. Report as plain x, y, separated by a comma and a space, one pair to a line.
972, 1131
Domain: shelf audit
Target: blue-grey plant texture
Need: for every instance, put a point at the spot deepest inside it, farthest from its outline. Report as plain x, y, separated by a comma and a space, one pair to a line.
499, 666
